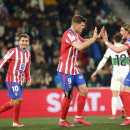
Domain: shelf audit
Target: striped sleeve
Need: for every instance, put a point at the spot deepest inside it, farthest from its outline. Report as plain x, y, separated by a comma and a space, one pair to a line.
70, 38
127, 43
27, 69
6, 58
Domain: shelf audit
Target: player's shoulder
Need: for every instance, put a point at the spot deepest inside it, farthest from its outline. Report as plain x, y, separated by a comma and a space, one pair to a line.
108, 50
68, 33
29, 53
12, 50
127, 42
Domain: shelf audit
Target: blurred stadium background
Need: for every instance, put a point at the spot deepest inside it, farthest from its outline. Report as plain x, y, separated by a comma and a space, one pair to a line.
45, 21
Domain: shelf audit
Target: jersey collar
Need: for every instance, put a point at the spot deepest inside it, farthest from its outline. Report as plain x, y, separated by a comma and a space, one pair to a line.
21, 50
72, 31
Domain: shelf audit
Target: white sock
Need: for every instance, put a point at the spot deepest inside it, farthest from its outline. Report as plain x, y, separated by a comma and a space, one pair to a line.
121, 103
62, 120
114, 105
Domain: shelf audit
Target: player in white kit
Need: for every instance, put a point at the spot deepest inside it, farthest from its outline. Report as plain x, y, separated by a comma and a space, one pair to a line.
120, 62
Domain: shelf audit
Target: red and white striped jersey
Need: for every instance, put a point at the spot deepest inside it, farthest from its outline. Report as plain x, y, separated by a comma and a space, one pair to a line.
127, 43
68, 54
19, 65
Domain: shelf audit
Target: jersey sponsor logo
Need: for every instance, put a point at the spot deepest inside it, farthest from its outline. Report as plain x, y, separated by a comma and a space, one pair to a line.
20, 71
80, 77
22, 66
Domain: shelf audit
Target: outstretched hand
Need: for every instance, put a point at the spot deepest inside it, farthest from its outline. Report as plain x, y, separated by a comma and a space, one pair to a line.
94, 75
100, 34
95, 33
105, 37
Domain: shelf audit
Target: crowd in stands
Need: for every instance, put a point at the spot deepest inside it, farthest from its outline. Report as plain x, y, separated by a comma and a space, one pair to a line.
45, 21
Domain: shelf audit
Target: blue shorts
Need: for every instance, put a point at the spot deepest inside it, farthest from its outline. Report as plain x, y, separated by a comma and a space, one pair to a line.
127, 80
69, 81
15, 90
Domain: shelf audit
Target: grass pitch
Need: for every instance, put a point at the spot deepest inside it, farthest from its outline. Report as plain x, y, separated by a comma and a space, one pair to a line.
51, 123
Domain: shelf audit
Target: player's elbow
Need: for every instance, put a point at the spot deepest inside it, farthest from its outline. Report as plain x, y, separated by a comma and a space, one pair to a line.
77, 46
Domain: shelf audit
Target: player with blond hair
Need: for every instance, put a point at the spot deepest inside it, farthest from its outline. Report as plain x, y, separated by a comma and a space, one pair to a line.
125, 93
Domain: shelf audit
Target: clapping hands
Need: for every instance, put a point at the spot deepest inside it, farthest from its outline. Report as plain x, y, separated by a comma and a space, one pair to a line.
100, 34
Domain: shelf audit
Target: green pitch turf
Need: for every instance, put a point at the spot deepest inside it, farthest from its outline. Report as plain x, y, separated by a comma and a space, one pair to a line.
51, 123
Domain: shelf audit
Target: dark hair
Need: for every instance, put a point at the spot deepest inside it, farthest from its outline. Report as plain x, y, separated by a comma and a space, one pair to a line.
78, 19
117, 37
24, 35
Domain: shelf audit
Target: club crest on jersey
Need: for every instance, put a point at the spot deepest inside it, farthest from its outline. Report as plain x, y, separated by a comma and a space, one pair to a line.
16, 94
72, 38
27, 59
70, 86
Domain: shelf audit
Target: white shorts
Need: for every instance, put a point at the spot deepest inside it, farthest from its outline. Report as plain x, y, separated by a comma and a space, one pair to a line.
117, 81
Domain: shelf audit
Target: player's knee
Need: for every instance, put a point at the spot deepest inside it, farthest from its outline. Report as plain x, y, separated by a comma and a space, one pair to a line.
68, 94
84, 92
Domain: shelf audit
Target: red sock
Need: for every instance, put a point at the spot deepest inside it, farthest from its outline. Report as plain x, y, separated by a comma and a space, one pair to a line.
16, 111
65, 104
5, 107
125, 97
80, 105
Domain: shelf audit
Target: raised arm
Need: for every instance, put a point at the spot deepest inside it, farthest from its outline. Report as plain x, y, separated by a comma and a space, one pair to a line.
88, 42
111, 46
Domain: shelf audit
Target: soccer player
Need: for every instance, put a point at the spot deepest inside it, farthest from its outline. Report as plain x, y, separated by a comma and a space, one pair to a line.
125, 94
120, 63
69, 72
19, 64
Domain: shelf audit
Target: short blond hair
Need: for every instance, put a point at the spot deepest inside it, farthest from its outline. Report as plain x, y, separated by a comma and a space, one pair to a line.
126, 27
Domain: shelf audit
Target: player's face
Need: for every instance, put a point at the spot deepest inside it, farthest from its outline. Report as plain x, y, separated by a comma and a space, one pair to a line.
123, 32
79, 27
24, 43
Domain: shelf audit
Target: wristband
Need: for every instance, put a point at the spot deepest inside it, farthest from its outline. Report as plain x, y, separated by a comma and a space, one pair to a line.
106, 42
